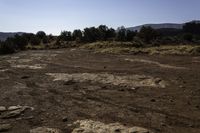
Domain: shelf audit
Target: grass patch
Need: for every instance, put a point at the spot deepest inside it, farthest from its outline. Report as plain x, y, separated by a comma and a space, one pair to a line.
131, 48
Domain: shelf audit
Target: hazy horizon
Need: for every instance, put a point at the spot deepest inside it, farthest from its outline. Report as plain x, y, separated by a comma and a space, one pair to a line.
54, 16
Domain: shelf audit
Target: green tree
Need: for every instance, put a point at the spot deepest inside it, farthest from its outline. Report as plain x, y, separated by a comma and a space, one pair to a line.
121, 34
77, 35
148, 34
102, 29
20, 41
110, 34
130, 35
41, 34
35, 40
192, 27
188, 37
65, 36
91, 34
7, 47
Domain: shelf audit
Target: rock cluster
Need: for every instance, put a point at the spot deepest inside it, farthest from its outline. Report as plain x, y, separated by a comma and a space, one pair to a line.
10, 113
45, 130
89, 126
13, 111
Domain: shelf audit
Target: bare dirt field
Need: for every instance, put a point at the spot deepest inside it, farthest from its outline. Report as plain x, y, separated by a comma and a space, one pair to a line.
73, 90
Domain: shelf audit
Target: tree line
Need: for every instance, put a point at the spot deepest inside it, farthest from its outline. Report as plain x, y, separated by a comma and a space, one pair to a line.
147, 36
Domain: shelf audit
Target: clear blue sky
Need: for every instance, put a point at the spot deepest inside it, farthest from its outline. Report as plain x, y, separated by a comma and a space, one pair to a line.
52, 16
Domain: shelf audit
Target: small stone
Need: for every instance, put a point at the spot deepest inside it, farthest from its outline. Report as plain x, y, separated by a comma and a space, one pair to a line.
5, 127
45, 130
64, 119
158, 80
153, 100
70, 82
134, 88
171, 100
181, 86
138, 130
69, 125
2, 108
117, 130
14, 108
121, 89
163, 124
25, 77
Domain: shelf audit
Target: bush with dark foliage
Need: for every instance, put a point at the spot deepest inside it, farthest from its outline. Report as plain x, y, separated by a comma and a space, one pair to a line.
6, 48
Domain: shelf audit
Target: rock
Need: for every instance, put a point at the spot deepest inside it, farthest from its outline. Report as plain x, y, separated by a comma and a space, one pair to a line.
45, 130
64, 119
12, 114
25, 77
153, 100
15, 111
163, 124
121, 89
14, 107
5, 127
70, 82
138, 130
89, 126
181, 86
135, 88
2, 108
158, 80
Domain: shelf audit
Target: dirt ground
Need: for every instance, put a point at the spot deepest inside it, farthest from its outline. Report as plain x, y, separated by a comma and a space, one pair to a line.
60, 87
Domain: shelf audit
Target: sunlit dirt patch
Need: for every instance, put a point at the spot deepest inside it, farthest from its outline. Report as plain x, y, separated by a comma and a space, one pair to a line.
89, 126
3, 69
36, 66
196, 60
154, 63
105, 78
12, 61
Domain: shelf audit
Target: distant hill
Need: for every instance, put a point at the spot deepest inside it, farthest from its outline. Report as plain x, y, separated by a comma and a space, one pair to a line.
5, 35
162, 26
158, 26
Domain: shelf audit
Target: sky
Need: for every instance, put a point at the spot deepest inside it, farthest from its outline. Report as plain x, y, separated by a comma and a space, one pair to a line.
54, 16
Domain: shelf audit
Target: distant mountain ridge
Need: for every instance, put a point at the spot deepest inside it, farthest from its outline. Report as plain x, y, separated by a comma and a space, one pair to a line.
161, 26
5, 35
158, 26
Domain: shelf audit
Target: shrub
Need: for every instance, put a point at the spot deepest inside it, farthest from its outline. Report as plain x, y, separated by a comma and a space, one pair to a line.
7, 48
148, 34
195, 51
188, 37
35, 40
